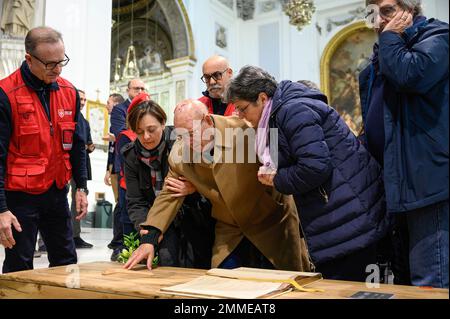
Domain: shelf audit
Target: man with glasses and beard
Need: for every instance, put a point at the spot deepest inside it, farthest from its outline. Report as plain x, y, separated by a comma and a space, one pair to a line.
41, 144
216, 75
404, 98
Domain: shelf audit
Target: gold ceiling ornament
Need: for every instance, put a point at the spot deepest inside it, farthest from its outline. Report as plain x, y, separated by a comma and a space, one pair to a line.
131, 7
117, 60
300, 12
131, 69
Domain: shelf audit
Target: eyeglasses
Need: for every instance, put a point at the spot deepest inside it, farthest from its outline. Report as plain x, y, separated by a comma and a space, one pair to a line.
242, 110
388, 11
217, 76
137, 88
51, 65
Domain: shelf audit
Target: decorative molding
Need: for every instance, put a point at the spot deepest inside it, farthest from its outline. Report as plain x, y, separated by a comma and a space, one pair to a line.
246, 9
228, 3
139, 5
12, 52
357, 14
268, 6
189, 30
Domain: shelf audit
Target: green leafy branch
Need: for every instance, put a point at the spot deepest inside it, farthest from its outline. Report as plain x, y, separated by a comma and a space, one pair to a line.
132, 243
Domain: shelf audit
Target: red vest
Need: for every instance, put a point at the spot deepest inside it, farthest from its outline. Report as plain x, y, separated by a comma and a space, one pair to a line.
132, 137
38, 153
208, 102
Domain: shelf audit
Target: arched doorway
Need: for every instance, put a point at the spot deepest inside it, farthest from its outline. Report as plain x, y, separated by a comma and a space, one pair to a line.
159, 26
163, 45
343, 59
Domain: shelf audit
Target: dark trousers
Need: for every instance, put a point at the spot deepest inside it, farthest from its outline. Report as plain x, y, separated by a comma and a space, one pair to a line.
246, 255
393, 252
49, 213
76, 224
128, 226
117, 240
351, 267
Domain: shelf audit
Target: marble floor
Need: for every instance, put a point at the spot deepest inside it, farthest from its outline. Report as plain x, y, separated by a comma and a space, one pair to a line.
99, 237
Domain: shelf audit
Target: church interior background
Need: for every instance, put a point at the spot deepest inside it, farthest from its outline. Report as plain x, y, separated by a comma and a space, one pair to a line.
165, 42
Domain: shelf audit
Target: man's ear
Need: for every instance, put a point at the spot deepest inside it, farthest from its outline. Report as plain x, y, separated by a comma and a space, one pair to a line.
28, 58
230, 72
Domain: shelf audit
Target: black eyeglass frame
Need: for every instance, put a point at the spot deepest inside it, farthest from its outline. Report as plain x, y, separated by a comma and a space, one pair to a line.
217, 76
61, 63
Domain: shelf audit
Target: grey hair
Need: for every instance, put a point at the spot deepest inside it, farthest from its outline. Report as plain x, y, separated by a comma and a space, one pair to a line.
309, 84
249, 83
409, 5
40, 35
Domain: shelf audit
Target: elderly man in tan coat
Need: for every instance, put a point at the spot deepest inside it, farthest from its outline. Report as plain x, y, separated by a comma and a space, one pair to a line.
252, 219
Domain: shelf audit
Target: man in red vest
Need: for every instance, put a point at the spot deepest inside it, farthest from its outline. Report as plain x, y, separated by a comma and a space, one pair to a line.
216, 75
40, 145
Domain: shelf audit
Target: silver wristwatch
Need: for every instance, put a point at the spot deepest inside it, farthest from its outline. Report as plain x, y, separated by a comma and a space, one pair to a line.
84, 190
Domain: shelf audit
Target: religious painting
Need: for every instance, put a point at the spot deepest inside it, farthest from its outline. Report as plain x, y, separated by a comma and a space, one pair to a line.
98, 118
346, 56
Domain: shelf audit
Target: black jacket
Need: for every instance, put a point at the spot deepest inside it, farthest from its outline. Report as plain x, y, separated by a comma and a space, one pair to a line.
86, 131
191, 235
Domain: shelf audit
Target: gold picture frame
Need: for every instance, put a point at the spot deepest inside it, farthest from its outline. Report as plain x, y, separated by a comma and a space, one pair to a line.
347, 53
96, 113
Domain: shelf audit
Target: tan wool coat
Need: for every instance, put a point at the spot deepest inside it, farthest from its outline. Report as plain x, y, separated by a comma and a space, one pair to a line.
241, 205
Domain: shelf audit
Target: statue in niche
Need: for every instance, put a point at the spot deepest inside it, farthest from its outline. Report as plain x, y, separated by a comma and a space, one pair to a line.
151, 62
221, 37
17, 17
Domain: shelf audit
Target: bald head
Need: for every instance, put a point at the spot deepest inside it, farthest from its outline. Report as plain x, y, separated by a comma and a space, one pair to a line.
192, 120
189, 111
41, 35
216, 74
217, 61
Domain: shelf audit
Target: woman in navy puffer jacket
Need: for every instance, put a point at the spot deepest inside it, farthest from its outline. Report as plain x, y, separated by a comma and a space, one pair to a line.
336, 183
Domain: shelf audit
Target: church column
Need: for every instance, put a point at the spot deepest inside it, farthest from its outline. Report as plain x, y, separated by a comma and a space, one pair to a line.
182, 71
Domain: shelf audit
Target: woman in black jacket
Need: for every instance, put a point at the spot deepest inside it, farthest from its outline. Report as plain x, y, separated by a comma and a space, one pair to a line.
188, 241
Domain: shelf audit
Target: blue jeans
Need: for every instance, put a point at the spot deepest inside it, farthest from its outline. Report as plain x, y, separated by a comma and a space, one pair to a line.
428, 245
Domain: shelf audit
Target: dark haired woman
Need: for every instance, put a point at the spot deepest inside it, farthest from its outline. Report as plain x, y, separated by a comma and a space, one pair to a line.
336, 184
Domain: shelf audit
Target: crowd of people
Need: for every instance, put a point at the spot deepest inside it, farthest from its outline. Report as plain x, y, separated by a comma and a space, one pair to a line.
255, 173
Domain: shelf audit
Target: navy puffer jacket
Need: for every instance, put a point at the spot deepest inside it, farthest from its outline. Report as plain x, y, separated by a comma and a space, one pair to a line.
336, 183
415, 70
